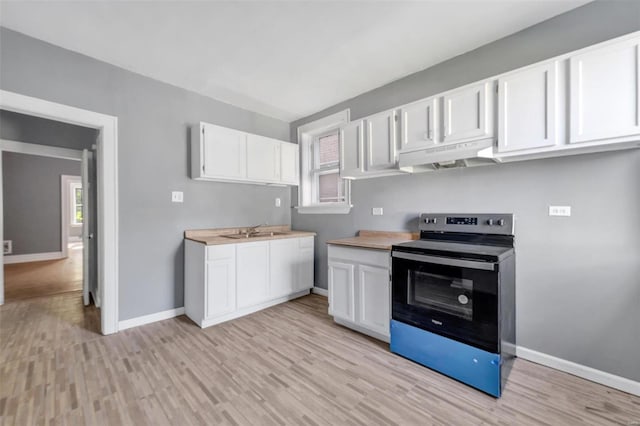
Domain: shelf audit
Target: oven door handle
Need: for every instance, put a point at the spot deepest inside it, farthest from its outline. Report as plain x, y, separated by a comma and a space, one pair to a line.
445, 261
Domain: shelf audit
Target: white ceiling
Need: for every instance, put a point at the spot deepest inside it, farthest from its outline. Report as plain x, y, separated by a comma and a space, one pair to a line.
283, 59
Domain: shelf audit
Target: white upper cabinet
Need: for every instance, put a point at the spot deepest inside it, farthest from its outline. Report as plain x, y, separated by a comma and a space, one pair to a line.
605, 92
263, 159
381, 140
289, 155
468, 113
222, 154
527, 108
420, 124
352, 149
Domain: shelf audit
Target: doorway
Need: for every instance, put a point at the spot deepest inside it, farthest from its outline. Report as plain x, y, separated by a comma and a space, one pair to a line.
45, 213
106, 190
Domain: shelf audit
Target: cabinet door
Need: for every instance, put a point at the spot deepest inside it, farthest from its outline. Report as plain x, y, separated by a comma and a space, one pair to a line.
527, 108
223, 152
252, 273
605, 92
263, 159
304, 278
468, 113
342, 290
381, 141
221, 287
283, 262
289, 163
420, 124
352, 149
373, 298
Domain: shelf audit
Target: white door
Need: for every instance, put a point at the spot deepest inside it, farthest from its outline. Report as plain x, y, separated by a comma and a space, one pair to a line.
224, 152
419, 124
289, 163
252, 273
263, 159
381, 140
283, 254
221, 286
605, 92
374, 298
342, 291
468, 113
304, 277
352, 149
527, 108
86, 227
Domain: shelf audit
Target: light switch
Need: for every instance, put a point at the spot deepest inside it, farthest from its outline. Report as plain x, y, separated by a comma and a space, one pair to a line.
559, 210
376, 211
278, 202
176, 196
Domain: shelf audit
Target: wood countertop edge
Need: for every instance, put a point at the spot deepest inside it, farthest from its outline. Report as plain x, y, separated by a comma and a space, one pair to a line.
377, 240
219, 239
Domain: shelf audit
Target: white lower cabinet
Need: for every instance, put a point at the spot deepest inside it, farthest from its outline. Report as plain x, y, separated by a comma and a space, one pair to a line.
224, 282
359, 289
252, 274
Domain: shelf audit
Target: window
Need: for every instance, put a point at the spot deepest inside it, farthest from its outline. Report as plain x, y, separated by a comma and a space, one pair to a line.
321, 188
76, 204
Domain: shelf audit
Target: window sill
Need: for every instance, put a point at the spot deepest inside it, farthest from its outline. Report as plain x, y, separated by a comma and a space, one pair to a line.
338, 208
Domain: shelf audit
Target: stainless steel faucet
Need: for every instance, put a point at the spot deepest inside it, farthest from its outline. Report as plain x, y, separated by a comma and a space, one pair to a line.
254, 229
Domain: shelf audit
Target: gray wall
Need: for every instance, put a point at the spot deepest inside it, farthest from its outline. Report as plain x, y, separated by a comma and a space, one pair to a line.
32, 198
153, 138
25, 128
578, 278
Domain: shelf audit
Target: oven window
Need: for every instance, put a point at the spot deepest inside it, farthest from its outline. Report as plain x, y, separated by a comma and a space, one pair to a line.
450, 295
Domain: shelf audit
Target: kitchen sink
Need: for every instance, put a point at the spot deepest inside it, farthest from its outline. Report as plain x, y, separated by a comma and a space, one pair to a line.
244, 236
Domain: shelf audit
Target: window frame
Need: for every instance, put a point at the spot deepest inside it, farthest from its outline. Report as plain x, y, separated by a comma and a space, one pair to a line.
308, 190
72, 197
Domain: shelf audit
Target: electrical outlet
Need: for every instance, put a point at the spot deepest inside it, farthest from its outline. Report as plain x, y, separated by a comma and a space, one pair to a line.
7, 246
559, 210
376, 211
176, 197
278, 202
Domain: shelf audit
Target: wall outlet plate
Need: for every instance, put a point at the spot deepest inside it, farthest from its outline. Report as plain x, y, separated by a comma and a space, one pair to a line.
278, 202
176, 196
559, 210
7, 246
377, 211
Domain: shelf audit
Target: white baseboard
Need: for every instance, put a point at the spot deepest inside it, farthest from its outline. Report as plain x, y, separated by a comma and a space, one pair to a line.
321, 291
35, 257
607, 379
148, 319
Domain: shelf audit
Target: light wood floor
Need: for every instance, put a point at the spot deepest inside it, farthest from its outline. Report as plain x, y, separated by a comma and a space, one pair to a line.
33, 279
289, 364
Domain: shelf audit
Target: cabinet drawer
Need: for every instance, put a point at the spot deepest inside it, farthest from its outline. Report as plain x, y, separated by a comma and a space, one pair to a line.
221, 252
359, 255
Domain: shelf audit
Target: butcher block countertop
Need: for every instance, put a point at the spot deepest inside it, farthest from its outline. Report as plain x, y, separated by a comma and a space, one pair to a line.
380, 240
213, 237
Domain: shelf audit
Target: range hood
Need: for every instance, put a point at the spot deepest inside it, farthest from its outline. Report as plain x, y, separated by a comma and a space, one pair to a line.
451, 155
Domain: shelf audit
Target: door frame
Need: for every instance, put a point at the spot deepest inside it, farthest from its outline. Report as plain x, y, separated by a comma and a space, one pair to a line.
65, 208
107, 189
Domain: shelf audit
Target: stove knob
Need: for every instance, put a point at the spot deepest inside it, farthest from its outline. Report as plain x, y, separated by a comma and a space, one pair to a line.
490, 222
434, 220
501, 222
427, 220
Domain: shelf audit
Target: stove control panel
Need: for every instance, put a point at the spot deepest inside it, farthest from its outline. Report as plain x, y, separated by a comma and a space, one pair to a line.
482, 223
